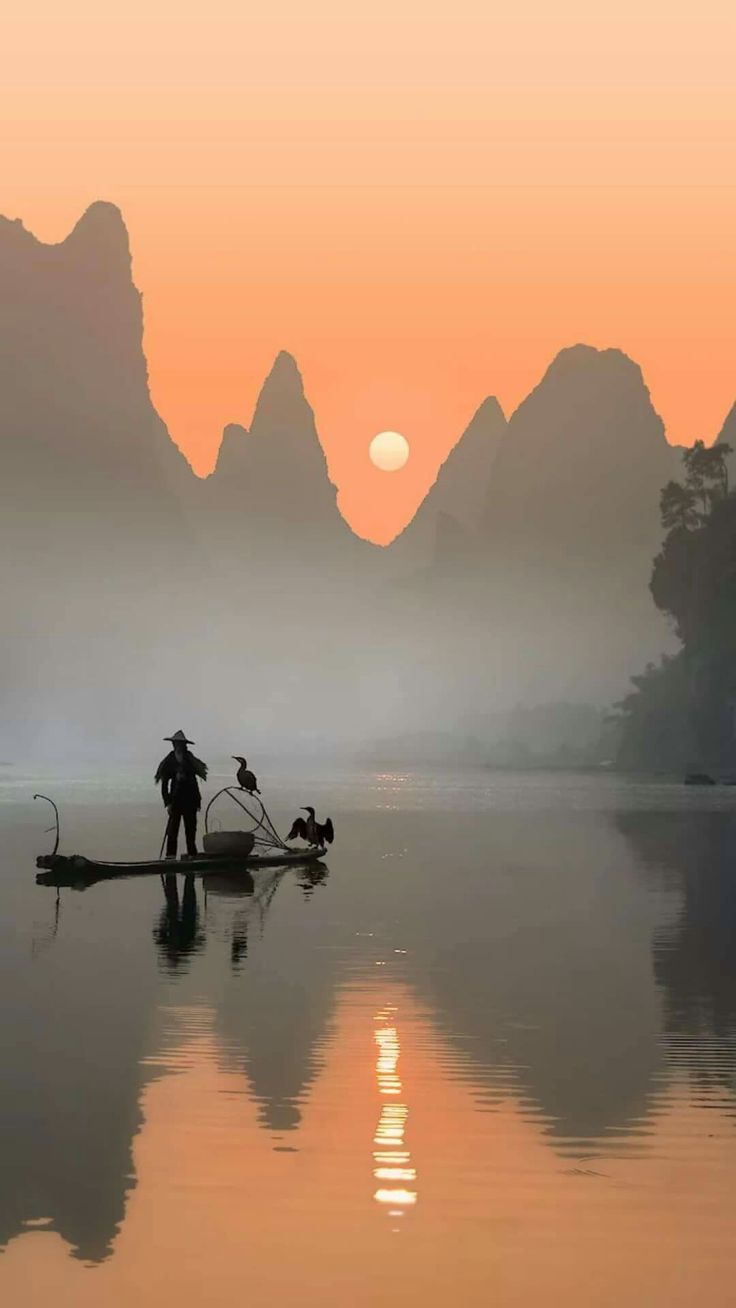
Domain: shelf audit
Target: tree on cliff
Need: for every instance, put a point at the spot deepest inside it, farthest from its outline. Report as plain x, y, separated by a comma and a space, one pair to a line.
681, 713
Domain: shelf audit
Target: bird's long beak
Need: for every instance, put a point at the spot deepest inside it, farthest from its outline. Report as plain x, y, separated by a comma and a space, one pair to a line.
303, 810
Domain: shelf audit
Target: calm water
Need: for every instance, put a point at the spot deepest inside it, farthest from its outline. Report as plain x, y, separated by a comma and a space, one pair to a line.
488, 1051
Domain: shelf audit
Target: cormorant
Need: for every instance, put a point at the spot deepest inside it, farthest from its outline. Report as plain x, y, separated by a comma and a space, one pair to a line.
246, 778
309, 829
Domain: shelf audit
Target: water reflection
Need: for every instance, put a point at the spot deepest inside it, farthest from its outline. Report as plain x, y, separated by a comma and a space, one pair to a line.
80, 1047
311, 876
275, 1026
392, 1167
575, 970
178, 933
271, 1027
540, 978
74, 1030
240, 901
558, 999
692, 858
180, 929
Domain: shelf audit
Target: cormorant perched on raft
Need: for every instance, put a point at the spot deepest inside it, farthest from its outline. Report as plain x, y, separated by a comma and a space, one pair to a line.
316, 833
246, 778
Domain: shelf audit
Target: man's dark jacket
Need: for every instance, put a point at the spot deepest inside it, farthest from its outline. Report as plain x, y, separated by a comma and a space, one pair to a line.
179, 780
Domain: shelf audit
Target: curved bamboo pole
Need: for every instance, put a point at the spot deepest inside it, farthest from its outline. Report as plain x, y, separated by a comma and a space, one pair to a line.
56, 815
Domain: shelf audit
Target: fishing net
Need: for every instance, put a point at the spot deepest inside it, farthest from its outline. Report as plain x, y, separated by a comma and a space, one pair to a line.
265, 836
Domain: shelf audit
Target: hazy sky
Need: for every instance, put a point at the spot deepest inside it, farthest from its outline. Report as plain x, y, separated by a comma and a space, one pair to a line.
423, 202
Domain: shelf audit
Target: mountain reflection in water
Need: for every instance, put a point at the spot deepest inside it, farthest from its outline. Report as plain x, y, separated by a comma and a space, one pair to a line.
501, 992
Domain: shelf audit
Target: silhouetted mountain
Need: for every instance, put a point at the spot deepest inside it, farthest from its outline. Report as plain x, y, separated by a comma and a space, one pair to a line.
462, 483
280, 460
577, 479
550, 538
95, 557
80, 441
549, 598
270, 498
460, 490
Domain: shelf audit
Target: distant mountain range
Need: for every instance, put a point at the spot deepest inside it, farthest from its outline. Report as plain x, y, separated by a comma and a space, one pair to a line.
585, 446
113, 548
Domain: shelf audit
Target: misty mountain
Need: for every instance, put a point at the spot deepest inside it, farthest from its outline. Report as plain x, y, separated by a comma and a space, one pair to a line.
459, 491
572, 524
80, 440
577, 478
131, 585
270, 501
95, 555
550, 595
279, 464
285, 608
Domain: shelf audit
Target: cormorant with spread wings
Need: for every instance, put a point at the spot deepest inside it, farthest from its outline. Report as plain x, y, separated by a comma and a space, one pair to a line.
309, 829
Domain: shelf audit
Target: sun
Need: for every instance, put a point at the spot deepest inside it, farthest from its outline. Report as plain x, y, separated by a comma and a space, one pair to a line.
389, 451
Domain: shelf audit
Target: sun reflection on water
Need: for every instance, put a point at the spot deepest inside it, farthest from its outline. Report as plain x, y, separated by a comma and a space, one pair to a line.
391, 1158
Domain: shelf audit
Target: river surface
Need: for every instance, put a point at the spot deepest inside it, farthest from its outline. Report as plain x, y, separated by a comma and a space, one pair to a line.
485, 1054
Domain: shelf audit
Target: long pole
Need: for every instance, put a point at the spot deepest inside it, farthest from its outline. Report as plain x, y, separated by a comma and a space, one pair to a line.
166, 832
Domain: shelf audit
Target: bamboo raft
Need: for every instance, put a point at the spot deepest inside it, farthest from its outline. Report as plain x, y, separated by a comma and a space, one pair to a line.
225, 852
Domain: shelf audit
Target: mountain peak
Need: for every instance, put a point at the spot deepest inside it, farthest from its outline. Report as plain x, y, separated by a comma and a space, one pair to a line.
577, 361
599, 395
460, 489
100, 234
583, 461
284, 376
278, 467
13, 230
489, 410
282, 404
101, 215
98, 242
462, 482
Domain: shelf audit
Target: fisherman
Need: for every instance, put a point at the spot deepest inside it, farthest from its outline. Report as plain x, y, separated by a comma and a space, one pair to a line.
178, 774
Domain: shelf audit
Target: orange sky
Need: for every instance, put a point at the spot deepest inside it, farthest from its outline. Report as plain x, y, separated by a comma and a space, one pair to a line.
422, 202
